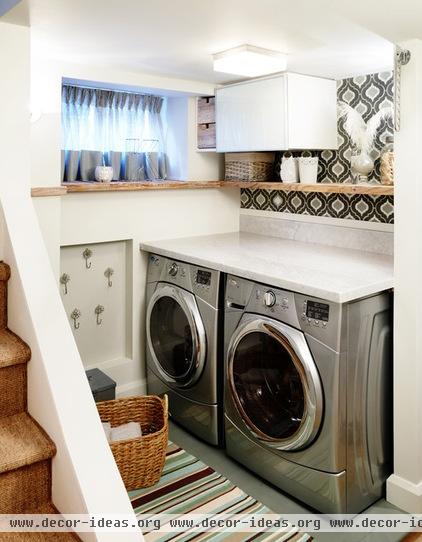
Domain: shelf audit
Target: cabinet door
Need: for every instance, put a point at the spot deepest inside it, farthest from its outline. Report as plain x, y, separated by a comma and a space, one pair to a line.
252, 116
312, 116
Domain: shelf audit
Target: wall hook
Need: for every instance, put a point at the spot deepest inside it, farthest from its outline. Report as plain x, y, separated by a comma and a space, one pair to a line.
87, 253
76, 313
108, 273
98, 310
64, 279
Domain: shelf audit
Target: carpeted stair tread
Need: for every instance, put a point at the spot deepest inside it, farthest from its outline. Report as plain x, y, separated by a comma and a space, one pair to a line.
25, 449
13, 392
22, 442
13, 350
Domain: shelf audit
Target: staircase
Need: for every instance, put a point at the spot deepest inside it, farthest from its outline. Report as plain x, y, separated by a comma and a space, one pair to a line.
25, 449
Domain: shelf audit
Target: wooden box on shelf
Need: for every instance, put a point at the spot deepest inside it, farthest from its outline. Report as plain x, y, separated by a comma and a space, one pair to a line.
206, 136
206, 123
206, 110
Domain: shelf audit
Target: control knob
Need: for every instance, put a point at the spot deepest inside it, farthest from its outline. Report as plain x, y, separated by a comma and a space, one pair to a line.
269, 299
173, 269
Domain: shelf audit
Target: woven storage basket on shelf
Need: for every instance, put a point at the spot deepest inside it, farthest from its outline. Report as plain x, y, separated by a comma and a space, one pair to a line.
249, 166
140, 460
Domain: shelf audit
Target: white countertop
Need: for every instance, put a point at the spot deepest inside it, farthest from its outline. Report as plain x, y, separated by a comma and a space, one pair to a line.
331, 273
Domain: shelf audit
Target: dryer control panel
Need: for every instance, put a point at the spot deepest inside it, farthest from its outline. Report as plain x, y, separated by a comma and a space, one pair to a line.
202, 282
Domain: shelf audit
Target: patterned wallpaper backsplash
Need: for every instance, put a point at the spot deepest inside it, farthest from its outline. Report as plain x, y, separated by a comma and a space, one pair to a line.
366, 93
348, 206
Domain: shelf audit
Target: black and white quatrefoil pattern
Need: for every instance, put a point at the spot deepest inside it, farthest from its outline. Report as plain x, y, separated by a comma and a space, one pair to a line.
348, 206
367, 94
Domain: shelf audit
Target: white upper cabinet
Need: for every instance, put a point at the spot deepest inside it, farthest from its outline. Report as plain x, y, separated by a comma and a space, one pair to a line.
287, 111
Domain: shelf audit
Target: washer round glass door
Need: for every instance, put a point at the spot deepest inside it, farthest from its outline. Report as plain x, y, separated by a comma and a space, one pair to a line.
275, 383
176, 335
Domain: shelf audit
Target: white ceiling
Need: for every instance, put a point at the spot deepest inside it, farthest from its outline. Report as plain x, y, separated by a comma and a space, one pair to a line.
178, 37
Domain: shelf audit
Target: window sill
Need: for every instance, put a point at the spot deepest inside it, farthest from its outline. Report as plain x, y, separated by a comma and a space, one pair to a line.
120, 186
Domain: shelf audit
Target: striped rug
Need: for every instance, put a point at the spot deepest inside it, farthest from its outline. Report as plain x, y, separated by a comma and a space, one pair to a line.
189, 486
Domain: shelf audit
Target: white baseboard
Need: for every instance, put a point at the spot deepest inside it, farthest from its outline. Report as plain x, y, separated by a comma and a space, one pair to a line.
404, 494
138, 387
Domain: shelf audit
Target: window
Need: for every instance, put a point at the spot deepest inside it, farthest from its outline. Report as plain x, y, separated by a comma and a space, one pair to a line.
123, 130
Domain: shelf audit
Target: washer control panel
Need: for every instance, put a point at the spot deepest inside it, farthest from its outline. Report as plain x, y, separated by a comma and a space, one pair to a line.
317, 318
173, 269
315, 313
203, 278
270, 298
320, 319
242, 294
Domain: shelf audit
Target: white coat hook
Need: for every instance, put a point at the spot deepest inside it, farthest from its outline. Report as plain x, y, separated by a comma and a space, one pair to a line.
401, 58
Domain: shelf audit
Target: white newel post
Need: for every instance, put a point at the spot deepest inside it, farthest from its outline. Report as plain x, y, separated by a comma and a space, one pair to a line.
404, 487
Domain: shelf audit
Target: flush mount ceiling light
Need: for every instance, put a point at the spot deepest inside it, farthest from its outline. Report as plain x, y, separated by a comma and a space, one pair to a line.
249, 61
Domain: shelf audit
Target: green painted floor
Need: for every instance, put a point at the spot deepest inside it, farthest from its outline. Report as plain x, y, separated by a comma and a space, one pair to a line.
267, 494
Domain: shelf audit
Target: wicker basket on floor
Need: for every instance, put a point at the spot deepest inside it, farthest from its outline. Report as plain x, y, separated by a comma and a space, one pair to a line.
140, 460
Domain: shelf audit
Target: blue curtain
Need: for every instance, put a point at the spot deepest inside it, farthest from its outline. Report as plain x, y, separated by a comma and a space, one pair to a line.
119, 129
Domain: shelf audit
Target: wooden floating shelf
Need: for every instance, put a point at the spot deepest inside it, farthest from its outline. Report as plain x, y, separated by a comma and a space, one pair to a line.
48, 191
336, 188
122, 186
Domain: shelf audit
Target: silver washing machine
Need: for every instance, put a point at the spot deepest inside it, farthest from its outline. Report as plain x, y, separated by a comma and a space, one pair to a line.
308, 393
184, 351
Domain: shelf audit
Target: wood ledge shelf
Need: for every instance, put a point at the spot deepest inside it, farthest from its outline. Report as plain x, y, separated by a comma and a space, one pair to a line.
336, 188
48, 191
118, 186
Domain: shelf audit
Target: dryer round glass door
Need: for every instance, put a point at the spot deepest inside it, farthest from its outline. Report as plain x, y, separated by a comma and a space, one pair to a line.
176, 335
274, 383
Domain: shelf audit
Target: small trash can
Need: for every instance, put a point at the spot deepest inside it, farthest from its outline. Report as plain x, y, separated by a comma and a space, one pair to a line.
102, 386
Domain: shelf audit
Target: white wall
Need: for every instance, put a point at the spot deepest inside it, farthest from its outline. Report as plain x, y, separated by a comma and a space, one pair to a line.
207, 166
46, 80
134, 216
14, 107
177, 138
185, 162
404, 488
85, 477
141, 216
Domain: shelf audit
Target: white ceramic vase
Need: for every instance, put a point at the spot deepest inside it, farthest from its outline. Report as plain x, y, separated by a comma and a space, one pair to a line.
362, 164
308, 169
104, 174
289, 170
